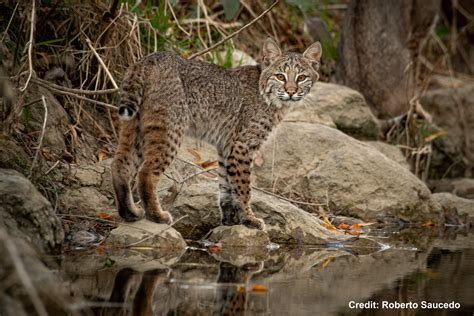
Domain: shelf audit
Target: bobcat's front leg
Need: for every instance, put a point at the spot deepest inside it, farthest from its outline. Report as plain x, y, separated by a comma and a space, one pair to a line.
237, 166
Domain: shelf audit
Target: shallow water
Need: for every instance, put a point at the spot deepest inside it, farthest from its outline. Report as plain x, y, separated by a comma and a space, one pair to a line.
287, 281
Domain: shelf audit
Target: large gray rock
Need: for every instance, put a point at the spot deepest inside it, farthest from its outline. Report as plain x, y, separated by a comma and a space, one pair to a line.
346, 108
313, 161
197, 206
89, 189
391, 151
85, 201
27, 214
145, 233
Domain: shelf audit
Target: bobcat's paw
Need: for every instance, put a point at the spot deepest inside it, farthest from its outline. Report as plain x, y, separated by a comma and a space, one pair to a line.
160, 217
230, 214
254, 222
131, 214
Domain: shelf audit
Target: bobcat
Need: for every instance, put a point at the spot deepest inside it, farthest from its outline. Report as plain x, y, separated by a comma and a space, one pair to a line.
163, 96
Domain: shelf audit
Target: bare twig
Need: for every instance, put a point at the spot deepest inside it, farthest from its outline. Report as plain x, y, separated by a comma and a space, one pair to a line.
287, 199
77, 91
88, 41
9, 22
233, 34
253, 187
22, 274
213, 22
62, 91
204, 10
41, 136
52, 167
176, 19
30, 46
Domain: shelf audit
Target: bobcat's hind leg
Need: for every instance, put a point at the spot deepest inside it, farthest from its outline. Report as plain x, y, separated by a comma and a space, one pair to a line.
161, 143
237, 167
230, 210
124, 168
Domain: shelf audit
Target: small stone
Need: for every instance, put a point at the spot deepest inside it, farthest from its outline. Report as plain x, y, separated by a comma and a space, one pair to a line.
145, 233
239, 236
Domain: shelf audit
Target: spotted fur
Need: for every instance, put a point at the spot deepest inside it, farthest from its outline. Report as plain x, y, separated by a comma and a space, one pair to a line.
165, 96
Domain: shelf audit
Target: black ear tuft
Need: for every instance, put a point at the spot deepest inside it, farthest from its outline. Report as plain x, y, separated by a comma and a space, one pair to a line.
271, 50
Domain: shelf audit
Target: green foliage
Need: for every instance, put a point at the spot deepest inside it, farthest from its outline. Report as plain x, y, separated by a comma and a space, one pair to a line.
303, 5
442, 31
318, 8
225, 60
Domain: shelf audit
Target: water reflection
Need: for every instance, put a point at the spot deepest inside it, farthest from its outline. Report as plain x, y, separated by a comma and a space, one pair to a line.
288, 281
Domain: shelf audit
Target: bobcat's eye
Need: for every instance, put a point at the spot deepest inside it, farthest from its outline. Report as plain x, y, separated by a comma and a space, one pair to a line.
280, 77
301, 78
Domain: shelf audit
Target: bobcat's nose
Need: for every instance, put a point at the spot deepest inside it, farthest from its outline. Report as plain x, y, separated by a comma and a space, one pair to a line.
291, 92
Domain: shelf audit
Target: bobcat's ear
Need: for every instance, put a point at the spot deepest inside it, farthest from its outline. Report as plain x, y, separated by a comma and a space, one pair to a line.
313, 53
270, 51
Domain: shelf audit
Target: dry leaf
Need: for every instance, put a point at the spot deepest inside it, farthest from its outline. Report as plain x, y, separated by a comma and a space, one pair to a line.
208, 164
259, 288
355, 227
435, 135
100, 249
102, 155
343, 226
104, 215
197, 156
329, 225
215, 248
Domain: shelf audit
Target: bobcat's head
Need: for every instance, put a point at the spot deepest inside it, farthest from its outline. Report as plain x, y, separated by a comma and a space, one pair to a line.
287, 77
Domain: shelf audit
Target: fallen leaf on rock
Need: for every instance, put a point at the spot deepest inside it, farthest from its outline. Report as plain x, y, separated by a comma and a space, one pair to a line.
328, 223
104, 215
343, 226
207, 164
216, 248
259, 288
196, 154
435, 135
102, 155
355, 227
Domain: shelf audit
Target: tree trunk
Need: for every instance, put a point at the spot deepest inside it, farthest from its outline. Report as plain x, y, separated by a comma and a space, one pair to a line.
380, 41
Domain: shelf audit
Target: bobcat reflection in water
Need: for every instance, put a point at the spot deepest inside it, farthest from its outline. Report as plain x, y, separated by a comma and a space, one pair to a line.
155, 292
